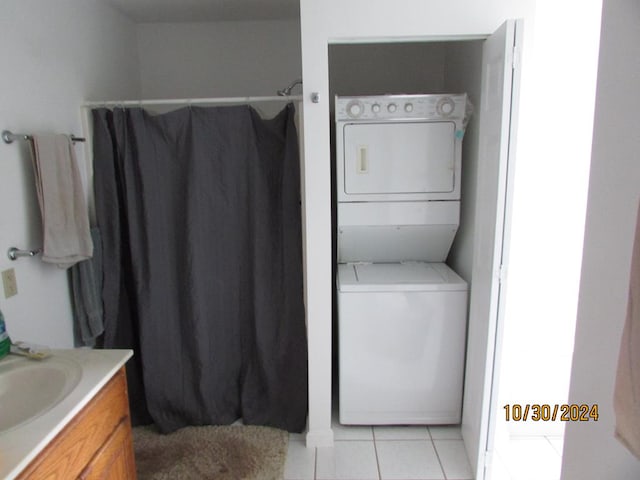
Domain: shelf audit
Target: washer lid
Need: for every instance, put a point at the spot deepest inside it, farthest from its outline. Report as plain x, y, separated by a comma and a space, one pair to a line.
390, 277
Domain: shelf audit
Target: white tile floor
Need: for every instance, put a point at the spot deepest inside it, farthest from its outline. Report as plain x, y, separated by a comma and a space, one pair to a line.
533, 458
381, 453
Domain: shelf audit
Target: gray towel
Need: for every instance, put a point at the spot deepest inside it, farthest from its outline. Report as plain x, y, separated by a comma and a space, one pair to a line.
86, 289
65, 218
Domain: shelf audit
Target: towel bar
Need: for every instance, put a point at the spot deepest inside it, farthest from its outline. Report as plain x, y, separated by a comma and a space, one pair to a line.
14, 253
9, 137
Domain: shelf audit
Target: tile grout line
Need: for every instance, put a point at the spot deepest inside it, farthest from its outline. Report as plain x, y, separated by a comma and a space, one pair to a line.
401, 440
375, 449
315, 463
433, 444
546, 437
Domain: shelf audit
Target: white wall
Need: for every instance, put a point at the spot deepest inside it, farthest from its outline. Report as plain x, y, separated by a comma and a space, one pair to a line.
549, 205
591, 451
387, 68
217, 59
55, 56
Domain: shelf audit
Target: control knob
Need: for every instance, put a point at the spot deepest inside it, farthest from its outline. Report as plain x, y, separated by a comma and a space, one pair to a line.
355, 109
445, 106
392, 107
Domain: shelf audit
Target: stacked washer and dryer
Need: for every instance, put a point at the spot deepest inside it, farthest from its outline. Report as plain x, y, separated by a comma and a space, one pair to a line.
401, 310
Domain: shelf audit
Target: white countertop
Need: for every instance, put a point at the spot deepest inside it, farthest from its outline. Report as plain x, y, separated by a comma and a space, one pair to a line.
20, 445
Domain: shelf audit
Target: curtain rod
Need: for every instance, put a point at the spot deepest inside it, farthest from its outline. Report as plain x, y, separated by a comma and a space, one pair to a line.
193, 101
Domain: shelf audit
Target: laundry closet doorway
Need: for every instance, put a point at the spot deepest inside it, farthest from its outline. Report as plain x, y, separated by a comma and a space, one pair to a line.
486, 69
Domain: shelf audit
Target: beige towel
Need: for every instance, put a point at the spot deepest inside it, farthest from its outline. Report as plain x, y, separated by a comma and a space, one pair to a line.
626, 400
65, 219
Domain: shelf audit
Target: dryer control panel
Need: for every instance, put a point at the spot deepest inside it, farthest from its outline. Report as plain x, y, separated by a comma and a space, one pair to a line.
401, 107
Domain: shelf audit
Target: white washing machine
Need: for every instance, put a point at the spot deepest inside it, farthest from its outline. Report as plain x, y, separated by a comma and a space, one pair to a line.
401, 310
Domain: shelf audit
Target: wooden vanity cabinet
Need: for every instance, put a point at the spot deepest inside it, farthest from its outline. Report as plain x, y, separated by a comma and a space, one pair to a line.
96, 444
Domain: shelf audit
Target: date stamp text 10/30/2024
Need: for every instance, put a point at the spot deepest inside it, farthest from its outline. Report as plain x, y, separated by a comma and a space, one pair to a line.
550, 413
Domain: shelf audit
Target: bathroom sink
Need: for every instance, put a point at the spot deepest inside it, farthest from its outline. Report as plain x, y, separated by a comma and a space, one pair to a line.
38, 399
29, 388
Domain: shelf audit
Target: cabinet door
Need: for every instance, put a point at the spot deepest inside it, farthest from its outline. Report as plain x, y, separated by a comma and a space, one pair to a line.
397, 158
498, 109
114, 460
76, 445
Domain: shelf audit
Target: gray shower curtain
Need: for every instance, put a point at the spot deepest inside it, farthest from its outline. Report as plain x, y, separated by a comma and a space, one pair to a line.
199, 211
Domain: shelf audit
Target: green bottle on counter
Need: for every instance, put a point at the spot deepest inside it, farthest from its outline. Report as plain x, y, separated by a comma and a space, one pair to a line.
5, 341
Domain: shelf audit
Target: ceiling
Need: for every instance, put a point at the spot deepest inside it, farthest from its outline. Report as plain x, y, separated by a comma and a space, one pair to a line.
156, 11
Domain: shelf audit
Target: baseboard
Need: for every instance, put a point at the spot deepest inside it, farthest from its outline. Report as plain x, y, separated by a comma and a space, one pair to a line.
319, 438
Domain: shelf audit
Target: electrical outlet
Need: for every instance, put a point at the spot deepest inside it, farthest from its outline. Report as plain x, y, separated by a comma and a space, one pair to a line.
9, 282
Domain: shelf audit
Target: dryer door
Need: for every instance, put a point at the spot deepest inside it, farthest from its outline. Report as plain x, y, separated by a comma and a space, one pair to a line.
399, 158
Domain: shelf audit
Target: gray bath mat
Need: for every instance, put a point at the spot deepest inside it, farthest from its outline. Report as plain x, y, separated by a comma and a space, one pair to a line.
210, 453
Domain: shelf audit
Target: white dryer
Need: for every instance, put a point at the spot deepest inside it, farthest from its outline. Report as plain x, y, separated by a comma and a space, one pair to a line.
401, 310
